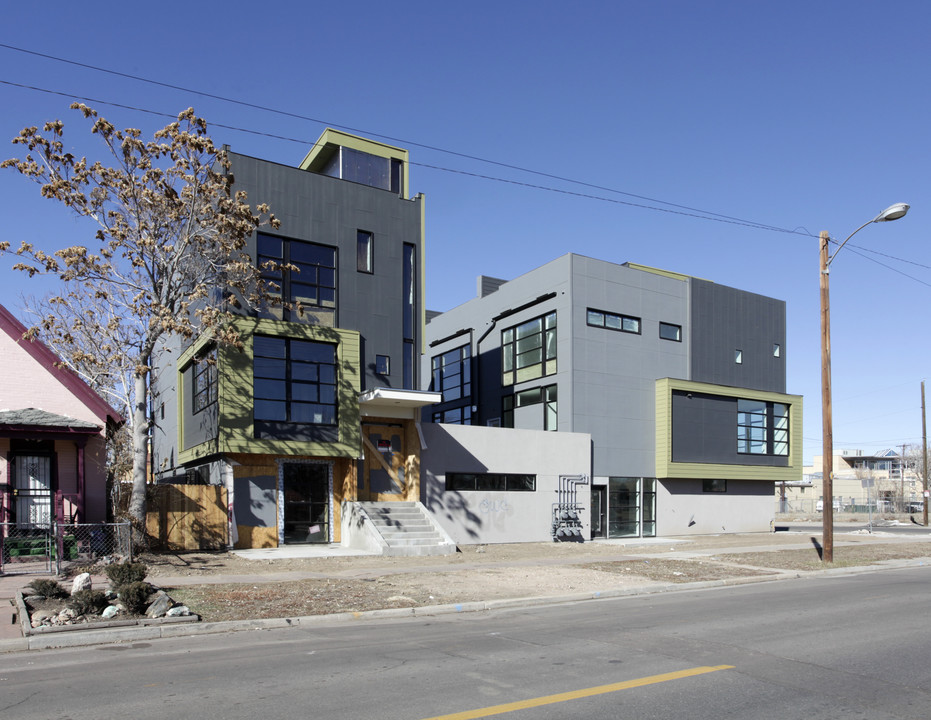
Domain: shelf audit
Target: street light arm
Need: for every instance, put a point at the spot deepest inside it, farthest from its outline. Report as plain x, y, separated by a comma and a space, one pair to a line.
834, 254
893, 212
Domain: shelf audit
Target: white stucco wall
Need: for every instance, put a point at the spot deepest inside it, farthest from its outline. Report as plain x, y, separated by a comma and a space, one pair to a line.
683, 509
495, 517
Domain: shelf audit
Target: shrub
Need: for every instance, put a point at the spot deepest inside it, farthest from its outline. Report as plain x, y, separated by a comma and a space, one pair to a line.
121, 574
88, 602
47, 587
135, 596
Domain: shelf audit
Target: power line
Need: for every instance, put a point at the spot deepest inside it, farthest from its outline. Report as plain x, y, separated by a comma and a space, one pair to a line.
369, 133
682, 210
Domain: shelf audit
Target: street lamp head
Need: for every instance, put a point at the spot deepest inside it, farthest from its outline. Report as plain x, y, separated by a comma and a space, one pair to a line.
893, 212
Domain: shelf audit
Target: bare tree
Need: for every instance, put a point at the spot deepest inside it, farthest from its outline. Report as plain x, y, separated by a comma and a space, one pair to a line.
170, 233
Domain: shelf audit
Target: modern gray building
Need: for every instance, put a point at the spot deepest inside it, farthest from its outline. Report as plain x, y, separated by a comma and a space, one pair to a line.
318, 408
679, 382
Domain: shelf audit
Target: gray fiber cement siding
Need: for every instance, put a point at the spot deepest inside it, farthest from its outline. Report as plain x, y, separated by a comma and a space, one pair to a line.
613, 373
329, 211
725, 320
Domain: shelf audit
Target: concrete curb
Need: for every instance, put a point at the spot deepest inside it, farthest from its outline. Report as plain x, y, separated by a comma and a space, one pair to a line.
174, 630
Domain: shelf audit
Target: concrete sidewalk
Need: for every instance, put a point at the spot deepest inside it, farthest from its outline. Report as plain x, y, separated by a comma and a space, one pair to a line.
691, 548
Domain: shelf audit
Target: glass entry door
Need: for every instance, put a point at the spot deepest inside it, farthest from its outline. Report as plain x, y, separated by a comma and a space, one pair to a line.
631, 507
306, 502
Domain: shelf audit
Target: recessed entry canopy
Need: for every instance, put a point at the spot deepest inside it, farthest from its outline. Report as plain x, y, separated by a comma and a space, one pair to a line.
388, 402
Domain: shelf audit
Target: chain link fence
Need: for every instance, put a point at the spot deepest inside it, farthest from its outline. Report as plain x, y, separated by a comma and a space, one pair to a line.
59, 548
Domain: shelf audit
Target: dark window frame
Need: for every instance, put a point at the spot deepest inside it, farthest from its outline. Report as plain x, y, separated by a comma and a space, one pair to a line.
382, 365
325, 280
365, 252
299, 377
204, 382
490, 482
714, 485
763, 428
548, 398
511, 355
677, 335
620, 320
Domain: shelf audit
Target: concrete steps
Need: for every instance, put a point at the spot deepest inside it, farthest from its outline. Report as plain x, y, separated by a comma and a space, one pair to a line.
407, 529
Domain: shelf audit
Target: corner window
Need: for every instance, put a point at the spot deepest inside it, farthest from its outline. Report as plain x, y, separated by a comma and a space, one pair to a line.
762, 428
528, 350
613, 321
365, 252
714, 485
668, 331
490, 482
205, 382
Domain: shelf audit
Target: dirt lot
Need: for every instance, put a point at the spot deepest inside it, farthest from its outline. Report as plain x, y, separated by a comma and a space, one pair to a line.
296, 587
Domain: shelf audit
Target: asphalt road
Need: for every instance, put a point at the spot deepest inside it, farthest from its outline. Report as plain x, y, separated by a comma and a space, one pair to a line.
840, 646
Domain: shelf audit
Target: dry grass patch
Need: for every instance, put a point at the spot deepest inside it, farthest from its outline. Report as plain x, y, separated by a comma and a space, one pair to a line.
844, 556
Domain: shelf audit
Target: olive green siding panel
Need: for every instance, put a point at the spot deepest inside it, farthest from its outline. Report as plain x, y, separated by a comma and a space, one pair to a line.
236, 399
666, 468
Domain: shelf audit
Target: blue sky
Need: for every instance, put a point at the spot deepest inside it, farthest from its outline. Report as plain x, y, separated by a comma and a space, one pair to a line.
798, 115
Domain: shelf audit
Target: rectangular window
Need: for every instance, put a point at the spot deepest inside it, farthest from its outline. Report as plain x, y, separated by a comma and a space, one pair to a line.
410, 315
777, 350
528, 350
668, 331
294, 381
205, 381
491, 482
714, 485
382, 365
738, 357
365, 252
299, 272
613, 321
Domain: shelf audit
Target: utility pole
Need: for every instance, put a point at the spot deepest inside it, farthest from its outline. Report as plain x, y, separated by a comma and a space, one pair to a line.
902, 481
924, 454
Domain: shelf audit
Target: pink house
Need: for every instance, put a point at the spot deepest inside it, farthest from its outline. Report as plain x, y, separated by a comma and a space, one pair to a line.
52, 436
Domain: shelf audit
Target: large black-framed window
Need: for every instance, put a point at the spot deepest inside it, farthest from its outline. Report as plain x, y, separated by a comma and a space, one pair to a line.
311, 282
294, 387
528, 350
762, 427
204, 376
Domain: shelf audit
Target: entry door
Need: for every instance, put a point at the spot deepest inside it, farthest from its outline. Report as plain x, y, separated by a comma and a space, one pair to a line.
32, 490
306, 502
599, 511
385, 459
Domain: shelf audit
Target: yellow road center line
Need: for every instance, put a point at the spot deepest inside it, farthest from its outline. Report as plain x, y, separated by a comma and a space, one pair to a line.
576, 694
